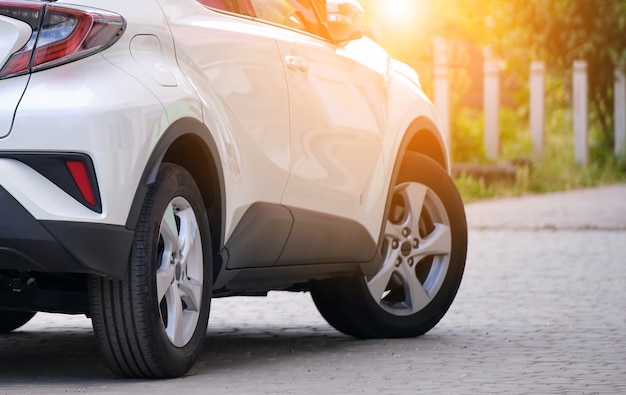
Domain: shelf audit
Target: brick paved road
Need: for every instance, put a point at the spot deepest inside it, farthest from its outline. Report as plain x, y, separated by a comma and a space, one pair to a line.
542, 309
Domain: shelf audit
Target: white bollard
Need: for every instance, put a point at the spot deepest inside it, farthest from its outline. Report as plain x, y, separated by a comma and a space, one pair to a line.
580, 88
537, 107
491, 107
619, 112
441, 95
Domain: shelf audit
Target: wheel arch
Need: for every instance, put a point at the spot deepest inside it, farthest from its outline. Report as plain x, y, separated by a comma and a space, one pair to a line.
422, 137
188, 143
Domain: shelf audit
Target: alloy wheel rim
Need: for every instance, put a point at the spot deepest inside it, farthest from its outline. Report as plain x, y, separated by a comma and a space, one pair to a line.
416, 250
179, 277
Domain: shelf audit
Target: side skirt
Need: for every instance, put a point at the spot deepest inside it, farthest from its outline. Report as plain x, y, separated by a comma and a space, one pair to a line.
276, 246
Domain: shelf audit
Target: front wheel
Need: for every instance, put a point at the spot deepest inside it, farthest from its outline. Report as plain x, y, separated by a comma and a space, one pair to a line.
152, 323
424, 248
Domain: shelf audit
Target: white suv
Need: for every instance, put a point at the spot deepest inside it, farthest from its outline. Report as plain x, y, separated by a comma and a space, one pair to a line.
160, 153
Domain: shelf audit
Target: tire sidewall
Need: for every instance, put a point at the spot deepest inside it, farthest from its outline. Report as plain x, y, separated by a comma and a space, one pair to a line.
425, 171
173, 181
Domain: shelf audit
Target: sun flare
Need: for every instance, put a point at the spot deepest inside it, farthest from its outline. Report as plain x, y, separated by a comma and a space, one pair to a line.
402, 12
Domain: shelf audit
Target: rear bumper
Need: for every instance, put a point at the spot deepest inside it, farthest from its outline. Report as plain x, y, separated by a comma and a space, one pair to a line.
60, 246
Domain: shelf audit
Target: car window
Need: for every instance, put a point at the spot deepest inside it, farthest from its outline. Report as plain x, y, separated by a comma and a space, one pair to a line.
297, 14
226, 5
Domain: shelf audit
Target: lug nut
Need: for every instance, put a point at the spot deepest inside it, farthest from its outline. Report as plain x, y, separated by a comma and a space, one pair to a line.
406, 232
398, 261
410, 261
416, 243
394, 244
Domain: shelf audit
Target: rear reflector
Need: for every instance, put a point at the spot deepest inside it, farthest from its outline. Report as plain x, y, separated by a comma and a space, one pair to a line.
81, 178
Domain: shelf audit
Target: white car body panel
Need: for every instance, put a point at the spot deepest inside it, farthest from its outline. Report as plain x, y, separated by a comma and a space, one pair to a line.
119, 135
12, 91
238, 71
42, 198
337, 122
236, 82
156, 154
14, 35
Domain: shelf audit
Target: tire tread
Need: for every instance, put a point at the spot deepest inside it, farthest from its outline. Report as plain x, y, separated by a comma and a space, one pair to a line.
120, 312
346, 303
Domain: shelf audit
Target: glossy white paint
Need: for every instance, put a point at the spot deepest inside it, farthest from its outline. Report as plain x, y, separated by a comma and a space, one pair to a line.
296, 120
237, 71
41, 197
14, 35
337, 117
146, 51
117, 125
11, 90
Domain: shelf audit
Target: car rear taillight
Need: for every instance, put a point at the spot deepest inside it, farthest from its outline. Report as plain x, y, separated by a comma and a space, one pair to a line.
61, 34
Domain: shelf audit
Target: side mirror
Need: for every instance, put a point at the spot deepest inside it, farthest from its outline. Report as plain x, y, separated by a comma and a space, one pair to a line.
344, 20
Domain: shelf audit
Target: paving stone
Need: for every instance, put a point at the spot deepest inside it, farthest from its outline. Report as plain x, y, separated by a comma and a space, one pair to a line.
542, 309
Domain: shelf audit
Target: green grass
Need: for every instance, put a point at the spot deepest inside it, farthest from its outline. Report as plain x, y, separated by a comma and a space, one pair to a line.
546, 176
555, 171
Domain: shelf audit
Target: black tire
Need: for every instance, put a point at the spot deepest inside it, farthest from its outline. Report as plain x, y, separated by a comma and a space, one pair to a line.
417, 255
11, 320
135, 327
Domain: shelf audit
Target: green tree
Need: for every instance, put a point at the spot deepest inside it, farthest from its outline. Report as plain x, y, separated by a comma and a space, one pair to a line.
555, 31
561, 31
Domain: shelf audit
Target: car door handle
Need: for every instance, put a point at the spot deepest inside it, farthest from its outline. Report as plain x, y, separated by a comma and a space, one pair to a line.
296, 63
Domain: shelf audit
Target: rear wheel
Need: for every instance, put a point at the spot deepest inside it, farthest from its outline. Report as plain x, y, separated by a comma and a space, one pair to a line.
152, 324
424, 250
11, 320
